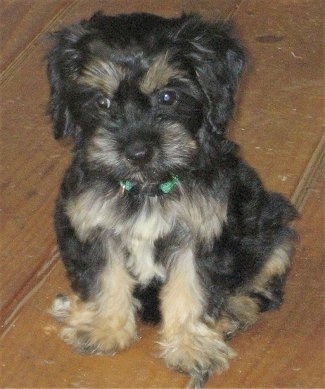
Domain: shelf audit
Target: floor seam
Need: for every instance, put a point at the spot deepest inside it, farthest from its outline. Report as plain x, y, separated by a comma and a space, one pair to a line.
314, 167
20, 58
11, 311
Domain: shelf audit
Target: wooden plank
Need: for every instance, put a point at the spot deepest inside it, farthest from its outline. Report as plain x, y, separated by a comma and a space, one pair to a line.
22, 22
279, 120
212, 10
313, 171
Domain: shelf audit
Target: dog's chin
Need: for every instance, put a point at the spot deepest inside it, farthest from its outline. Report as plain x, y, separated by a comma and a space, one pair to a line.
153, 172
147, 175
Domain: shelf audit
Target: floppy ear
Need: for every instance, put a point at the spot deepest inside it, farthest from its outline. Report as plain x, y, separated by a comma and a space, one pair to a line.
64, 60
219, 80
217, 60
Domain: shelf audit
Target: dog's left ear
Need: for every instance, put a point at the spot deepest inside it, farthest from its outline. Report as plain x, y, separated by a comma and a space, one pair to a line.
64, 60
217, 60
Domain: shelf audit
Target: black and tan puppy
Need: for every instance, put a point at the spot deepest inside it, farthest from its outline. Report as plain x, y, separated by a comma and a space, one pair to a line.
157, 214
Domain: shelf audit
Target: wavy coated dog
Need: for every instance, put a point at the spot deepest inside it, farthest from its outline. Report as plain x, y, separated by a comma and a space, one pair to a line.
158, 216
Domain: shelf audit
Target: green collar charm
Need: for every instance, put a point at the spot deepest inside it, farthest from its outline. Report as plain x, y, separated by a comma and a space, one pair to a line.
156, 190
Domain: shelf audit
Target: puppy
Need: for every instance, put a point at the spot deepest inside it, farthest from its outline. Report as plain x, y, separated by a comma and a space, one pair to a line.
157, 214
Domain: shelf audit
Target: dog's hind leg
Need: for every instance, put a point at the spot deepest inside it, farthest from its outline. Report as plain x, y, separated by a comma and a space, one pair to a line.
262, 293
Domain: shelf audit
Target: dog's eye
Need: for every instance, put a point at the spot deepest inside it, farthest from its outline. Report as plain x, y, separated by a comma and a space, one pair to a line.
167, 97
103, 102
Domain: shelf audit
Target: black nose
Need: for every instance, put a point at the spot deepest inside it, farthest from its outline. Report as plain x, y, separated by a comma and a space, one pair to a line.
139, 152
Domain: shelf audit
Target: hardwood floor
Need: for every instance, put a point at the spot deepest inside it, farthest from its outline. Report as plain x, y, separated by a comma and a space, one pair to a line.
280, 125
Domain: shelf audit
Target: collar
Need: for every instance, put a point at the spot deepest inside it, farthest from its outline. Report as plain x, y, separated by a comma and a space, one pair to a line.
150, 190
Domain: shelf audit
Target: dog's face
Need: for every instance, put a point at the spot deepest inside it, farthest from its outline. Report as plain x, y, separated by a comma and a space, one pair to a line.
146, 97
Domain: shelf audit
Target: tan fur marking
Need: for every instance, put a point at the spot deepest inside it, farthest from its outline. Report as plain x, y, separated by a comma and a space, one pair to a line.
140, 241
107, 323
243, 308
90, 211
182, 298
87, 212
158, 75
188, 343
205, 215
141, 261
277, 265
240, 313
102, 75
103, 149
178, 144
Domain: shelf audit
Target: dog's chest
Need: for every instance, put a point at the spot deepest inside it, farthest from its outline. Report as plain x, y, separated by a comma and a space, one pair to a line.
139, 237
136, 231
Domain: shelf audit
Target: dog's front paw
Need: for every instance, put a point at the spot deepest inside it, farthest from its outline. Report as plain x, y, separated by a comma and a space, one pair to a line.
88, 331
198, 353
98, 341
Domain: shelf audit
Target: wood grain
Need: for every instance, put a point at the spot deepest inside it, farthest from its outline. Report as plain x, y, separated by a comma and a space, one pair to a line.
22, 24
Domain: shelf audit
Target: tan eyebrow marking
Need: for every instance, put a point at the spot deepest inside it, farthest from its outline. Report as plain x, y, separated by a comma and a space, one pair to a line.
159, 74
103, 75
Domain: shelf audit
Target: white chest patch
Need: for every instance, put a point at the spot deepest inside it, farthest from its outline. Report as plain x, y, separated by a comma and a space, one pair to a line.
137, 234
140, 238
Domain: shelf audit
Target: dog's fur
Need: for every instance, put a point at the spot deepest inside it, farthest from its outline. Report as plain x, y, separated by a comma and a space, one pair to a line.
147, 101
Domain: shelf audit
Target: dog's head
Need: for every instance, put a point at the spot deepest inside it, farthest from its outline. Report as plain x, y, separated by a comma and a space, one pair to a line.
147, 97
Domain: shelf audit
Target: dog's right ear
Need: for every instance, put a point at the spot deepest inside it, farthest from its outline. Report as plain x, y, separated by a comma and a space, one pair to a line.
64, 62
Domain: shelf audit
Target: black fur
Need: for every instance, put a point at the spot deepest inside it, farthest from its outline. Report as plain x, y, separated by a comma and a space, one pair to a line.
149, 297
135, 127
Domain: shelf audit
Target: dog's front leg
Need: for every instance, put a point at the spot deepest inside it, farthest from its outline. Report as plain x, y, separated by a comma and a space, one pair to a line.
104, 323
189, 343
